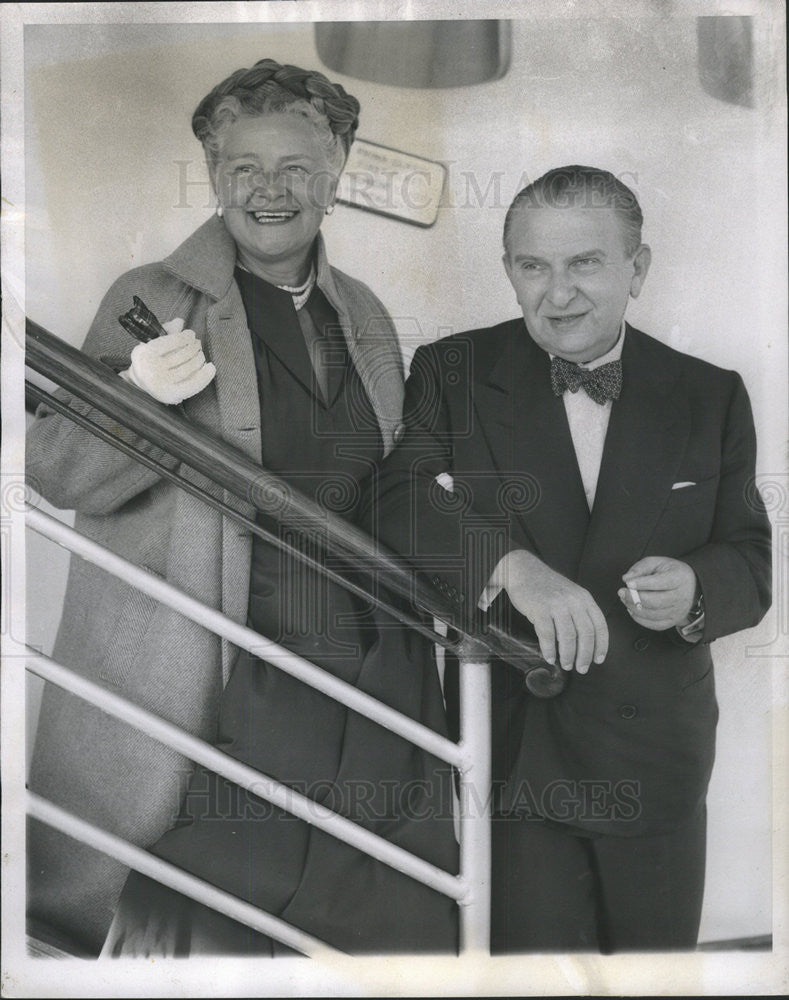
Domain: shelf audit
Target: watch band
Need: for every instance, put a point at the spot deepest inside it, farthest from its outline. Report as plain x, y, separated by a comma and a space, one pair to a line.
696, 617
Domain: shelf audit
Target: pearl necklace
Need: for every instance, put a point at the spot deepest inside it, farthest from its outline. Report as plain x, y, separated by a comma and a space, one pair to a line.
300, 293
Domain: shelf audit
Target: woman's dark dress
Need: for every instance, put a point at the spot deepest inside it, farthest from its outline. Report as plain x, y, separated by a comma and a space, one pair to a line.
325, 444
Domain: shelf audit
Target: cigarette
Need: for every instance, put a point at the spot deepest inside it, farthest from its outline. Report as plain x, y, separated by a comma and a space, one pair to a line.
635, 597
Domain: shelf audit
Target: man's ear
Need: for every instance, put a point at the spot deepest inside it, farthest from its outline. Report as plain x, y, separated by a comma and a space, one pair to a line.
507, 266
641, 262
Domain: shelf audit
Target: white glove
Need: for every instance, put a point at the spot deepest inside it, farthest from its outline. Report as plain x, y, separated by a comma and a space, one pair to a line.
171, 368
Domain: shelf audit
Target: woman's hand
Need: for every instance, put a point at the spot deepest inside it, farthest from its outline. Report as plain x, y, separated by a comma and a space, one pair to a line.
171, 368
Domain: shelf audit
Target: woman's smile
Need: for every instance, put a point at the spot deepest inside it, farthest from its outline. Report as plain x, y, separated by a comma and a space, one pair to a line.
274, 182
265, 217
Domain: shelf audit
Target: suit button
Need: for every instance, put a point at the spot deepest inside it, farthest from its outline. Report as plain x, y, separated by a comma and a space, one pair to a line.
399, 433
641, 644
628, 711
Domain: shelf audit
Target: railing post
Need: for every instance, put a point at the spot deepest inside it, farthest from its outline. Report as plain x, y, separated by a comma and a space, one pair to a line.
475, 797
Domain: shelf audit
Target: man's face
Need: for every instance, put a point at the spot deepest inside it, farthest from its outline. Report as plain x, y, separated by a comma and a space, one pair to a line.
572, 277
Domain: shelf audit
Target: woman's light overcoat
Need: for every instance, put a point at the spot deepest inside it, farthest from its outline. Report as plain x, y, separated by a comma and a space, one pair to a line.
84, 760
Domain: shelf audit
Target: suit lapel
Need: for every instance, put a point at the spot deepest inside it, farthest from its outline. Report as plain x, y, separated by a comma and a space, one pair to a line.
647, 436
528, 435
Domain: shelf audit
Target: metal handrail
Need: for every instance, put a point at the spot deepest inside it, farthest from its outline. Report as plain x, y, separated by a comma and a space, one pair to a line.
470, 888
37, 395
246, 777
95, 383
245, 638
176, 878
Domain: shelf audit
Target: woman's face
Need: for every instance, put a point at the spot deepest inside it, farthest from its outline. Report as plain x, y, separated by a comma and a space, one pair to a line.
274, 182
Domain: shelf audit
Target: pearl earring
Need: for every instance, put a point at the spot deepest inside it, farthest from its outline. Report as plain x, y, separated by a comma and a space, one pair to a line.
329, 209
220, 211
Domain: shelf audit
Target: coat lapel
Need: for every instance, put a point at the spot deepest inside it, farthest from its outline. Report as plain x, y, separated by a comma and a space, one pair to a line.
229, 341
230, 344
380, 369
373, 353
275, 322
206, 261
647, 436
528, 435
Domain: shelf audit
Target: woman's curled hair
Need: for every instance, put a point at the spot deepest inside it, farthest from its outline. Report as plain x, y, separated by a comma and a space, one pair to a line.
270, 87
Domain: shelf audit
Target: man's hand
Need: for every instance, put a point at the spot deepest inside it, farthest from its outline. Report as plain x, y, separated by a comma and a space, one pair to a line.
666, 588
171, 368
563, 614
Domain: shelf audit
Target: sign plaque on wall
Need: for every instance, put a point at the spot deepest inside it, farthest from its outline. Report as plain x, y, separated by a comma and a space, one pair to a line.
389, 182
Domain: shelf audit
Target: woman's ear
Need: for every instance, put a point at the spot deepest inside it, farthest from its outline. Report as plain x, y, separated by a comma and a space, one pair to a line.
324, 189
211, 169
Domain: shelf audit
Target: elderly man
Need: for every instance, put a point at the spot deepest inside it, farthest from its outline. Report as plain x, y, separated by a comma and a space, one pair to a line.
594, 487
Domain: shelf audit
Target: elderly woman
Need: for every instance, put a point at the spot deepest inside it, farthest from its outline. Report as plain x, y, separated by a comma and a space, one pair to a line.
297, 364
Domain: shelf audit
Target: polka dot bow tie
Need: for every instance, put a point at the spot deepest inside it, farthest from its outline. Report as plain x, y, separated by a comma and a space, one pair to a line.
600, 383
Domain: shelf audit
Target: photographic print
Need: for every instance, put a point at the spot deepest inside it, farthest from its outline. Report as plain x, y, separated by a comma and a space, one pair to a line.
394, 499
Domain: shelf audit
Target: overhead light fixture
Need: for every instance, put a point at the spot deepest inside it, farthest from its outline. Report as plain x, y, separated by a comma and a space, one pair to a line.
429, 54
726, 58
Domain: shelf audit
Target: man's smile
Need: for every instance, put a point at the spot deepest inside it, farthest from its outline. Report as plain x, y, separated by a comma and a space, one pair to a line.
562, 322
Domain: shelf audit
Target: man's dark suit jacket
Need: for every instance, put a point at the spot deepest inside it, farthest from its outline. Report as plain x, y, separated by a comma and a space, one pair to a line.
628, 748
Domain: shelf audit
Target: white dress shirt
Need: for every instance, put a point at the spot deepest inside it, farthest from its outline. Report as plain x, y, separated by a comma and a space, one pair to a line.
588, 422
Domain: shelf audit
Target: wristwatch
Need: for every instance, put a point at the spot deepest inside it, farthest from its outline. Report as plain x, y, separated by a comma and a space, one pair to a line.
696, 618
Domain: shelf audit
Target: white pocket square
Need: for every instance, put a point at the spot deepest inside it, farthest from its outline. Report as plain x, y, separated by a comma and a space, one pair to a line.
681, 486
445, 480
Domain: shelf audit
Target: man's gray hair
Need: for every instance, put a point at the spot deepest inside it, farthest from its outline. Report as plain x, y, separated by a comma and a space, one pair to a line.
581, 187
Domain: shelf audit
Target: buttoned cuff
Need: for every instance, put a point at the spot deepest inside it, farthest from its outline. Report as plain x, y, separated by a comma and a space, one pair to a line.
693, 631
